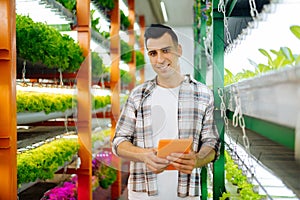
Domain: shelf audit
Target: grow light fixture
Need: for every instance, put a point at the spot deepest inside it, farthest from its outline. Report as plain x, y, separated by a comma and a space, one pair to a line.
164, 11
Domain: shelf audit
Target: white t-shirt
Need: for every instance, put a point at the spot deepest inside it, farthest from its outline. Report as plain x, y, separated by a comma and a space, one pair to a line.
164, 113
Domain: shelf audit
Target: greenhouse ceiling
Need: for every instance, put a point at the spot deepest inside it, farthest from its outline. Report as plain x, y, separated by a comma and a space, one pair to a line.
180, 14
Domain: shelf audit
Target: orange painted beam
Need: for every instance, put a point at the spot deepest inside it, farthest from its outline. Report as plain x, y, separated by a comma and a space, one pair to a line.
115, 81
115, 86
84, 118
132, 63
8, 117
142, 46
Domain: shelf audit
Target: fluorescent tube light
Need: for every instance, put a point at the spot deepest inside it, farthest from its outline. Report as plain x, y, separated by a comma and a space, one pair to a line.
164, 11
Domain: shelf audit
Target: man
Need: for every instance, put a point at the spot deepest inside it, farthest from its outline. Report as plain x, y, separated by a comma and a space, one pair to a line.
170, 106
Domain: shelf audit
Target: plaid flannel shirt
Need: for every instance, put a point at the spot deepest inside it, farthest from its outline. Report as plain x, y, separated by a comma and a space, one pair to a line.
195, 118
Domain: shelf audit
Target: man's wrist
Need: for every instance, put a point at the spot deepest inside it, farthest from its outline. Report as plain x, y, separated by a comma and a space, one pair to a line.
204, 156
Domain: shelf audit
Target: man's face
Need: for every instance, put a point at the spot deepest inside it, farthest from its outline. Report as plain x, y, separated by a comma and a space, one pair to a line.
164, 54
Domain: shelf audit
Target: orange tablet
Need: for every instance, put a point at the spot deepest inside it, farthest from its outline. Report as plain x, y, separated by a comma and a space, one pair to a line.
168, 146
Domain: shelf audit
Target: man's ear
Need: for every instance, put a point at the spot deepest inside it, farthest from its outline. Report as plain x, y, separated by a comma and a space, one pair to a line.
179, 50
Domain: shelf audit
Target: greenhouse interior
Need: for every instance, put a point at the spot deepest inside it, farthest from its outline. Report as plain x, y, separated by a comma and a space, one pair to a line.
68, 67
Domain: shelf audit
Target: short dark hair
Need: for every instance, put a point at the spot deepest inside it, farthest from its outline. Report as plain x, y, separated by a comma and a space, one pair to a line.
157, 30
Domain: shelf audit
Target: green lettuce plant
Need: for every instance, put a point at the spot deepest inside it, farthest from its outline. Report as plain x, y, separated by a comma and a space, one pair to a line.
100, 135
98, 67
68, 4
39, 43
236, 177
102, 170
275, 60
140, 60
47, 102
36, 102
42, 162
124, 21
126, 51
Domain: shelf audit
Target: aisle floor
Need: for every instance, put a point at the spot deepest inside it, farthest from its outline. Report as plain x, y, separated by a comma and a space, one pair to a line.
274, 164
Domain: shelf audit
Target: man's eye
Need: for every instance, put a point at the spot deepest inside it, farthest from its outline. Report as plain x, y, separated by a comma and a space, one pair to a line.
152, 53
168, 50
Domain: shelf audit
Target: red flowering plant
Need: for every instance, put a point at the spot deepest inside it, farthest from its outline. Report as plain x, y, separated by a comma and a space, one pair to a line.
102, 169
67, 191
103, 176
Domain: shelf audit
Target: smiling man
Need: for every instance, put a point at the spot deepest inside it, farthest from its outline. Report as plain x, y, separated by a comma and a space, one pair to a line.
171, 106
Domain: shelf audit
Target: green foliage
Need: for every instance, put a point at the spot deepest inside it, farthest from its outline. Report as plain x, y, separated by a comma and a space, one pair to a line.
137, 37
105, 34
47, 102
40, 43
102, 169
202, 9
296, 31
208, 13
36, 102
284, 57
124, 21
97, 65
278, 59
225, 196
126, 51
106, 176
100, 101
106, 4
94, 22
68, 4
236, 177
230, 78
140, 60
42, 162
100, 135
71, 4
125, 76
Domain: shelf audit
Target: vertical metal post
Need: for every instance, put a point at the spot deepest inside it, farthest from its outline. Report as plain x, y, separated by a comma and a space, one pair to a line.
132, 64
8, 118
218, 82
197, 36
203, 59
142, 29
200, 63
204, 191
115, 87
200, 70
84, 126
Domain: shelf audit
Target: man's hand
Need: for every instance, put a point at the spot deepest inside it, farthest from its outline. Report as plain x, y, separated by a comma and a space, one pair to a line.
128, 151
154, 163
185, 163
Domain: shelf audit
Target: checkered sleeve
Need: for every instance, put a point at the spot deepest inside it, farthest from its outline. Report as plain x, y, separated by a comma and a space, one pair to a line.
210, 135
125, 126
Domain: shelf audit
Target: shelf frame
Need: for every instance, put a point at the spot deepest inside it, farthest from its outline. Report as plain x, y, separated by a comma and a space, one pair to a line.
8, 118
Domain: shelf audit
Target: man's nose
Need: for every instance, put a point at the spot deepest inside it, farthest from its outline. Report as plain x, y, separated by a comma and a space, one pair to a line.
160, 57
